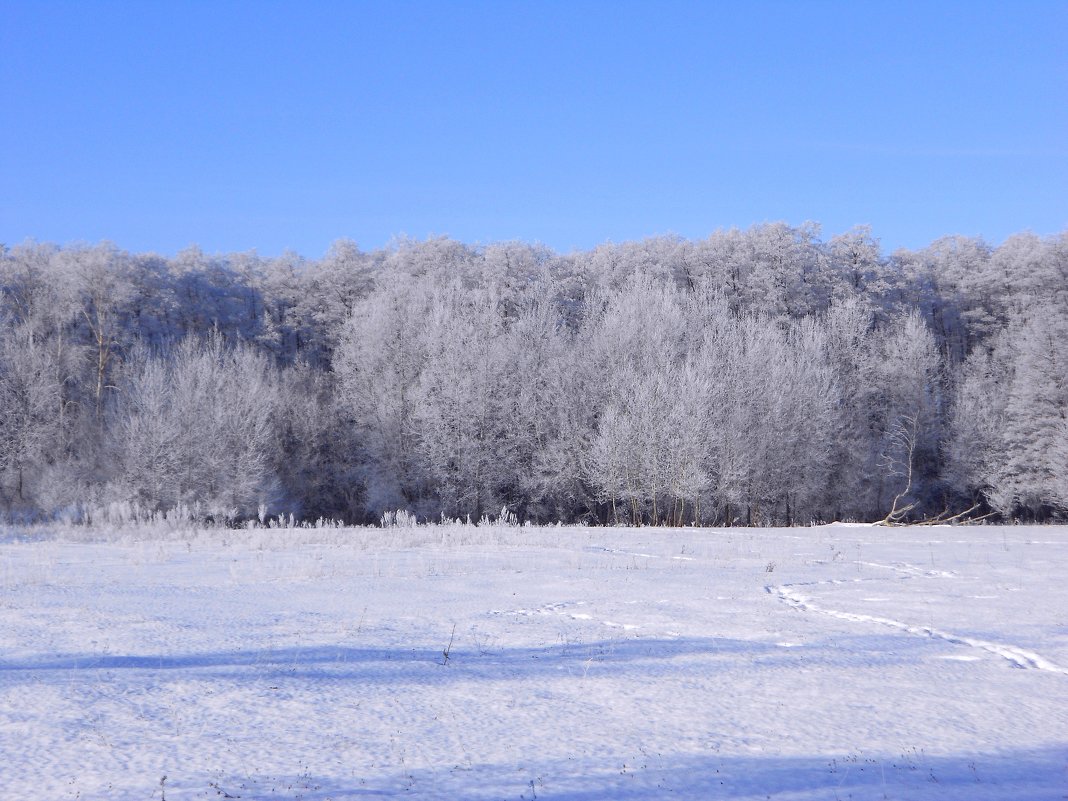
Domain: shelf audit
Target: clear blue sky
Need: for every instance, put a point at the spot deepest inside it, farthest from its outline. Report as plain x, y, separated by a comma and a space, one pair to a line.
268, 126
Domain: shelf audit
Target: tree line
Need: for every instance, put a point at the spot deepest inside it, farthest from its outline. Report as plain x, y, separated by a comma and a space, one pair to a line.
753, 377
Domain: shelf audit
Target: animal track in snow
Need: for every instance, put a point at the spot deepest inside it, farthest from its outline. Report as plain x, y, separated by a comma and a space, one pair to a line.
1019, 657
911, 570
563, 610
602, 549
637, 554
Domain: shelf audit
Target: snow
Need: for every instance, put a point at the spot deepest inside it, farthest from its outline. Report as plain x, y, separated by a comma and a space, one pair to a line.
831, 662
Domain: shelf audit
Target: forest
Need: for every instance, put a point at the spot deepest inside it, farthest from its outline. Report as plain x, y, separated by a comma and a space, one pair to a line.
755, 377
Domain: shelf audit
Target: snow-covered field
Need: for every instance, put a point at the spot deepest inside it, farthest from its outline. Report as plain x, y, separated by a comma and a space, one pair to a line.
504, 663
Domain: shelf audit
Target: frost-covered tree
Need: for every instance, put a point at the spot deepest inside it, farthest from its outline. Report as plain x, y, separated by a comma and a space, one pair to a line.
902, 393
944, 279
759, 374
317, 454
859, 273
770, 402
196, 428
975, 446
544, 412
30, 425
330, 292
647, 456
632, 339
1035, 411
379, 360
1006, 439
462, 410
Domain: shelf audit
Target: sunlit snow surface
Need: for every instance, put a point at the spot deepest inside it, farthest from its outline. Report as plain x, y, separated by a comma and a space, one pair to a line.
827, 663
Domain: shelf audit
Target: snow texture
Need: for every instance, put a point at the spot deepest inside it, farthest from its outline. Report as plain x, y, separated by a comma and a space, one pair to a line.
834, 662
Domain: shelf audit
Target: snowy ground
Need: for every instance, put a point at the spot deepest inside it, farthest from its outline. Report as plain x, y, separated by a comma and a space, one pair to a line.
825, 663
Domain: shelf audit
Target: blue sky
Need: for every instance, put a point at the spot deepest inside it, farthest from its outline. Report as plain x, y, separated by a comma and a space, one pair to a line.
269, 126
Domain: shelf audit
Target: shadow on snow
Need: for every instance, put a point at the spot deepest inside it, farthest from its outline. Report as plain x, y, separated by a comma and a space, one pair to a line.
1037, 775
620, 657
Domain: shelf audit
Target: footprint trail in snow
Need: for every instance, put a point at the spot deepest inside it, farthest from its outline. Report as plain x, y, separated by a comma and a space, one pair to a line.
1019, 657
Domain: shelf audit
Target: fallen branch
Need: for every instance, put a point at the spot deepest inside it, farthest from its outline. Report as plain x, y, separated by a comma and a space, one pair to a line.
942, 519
946, 519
